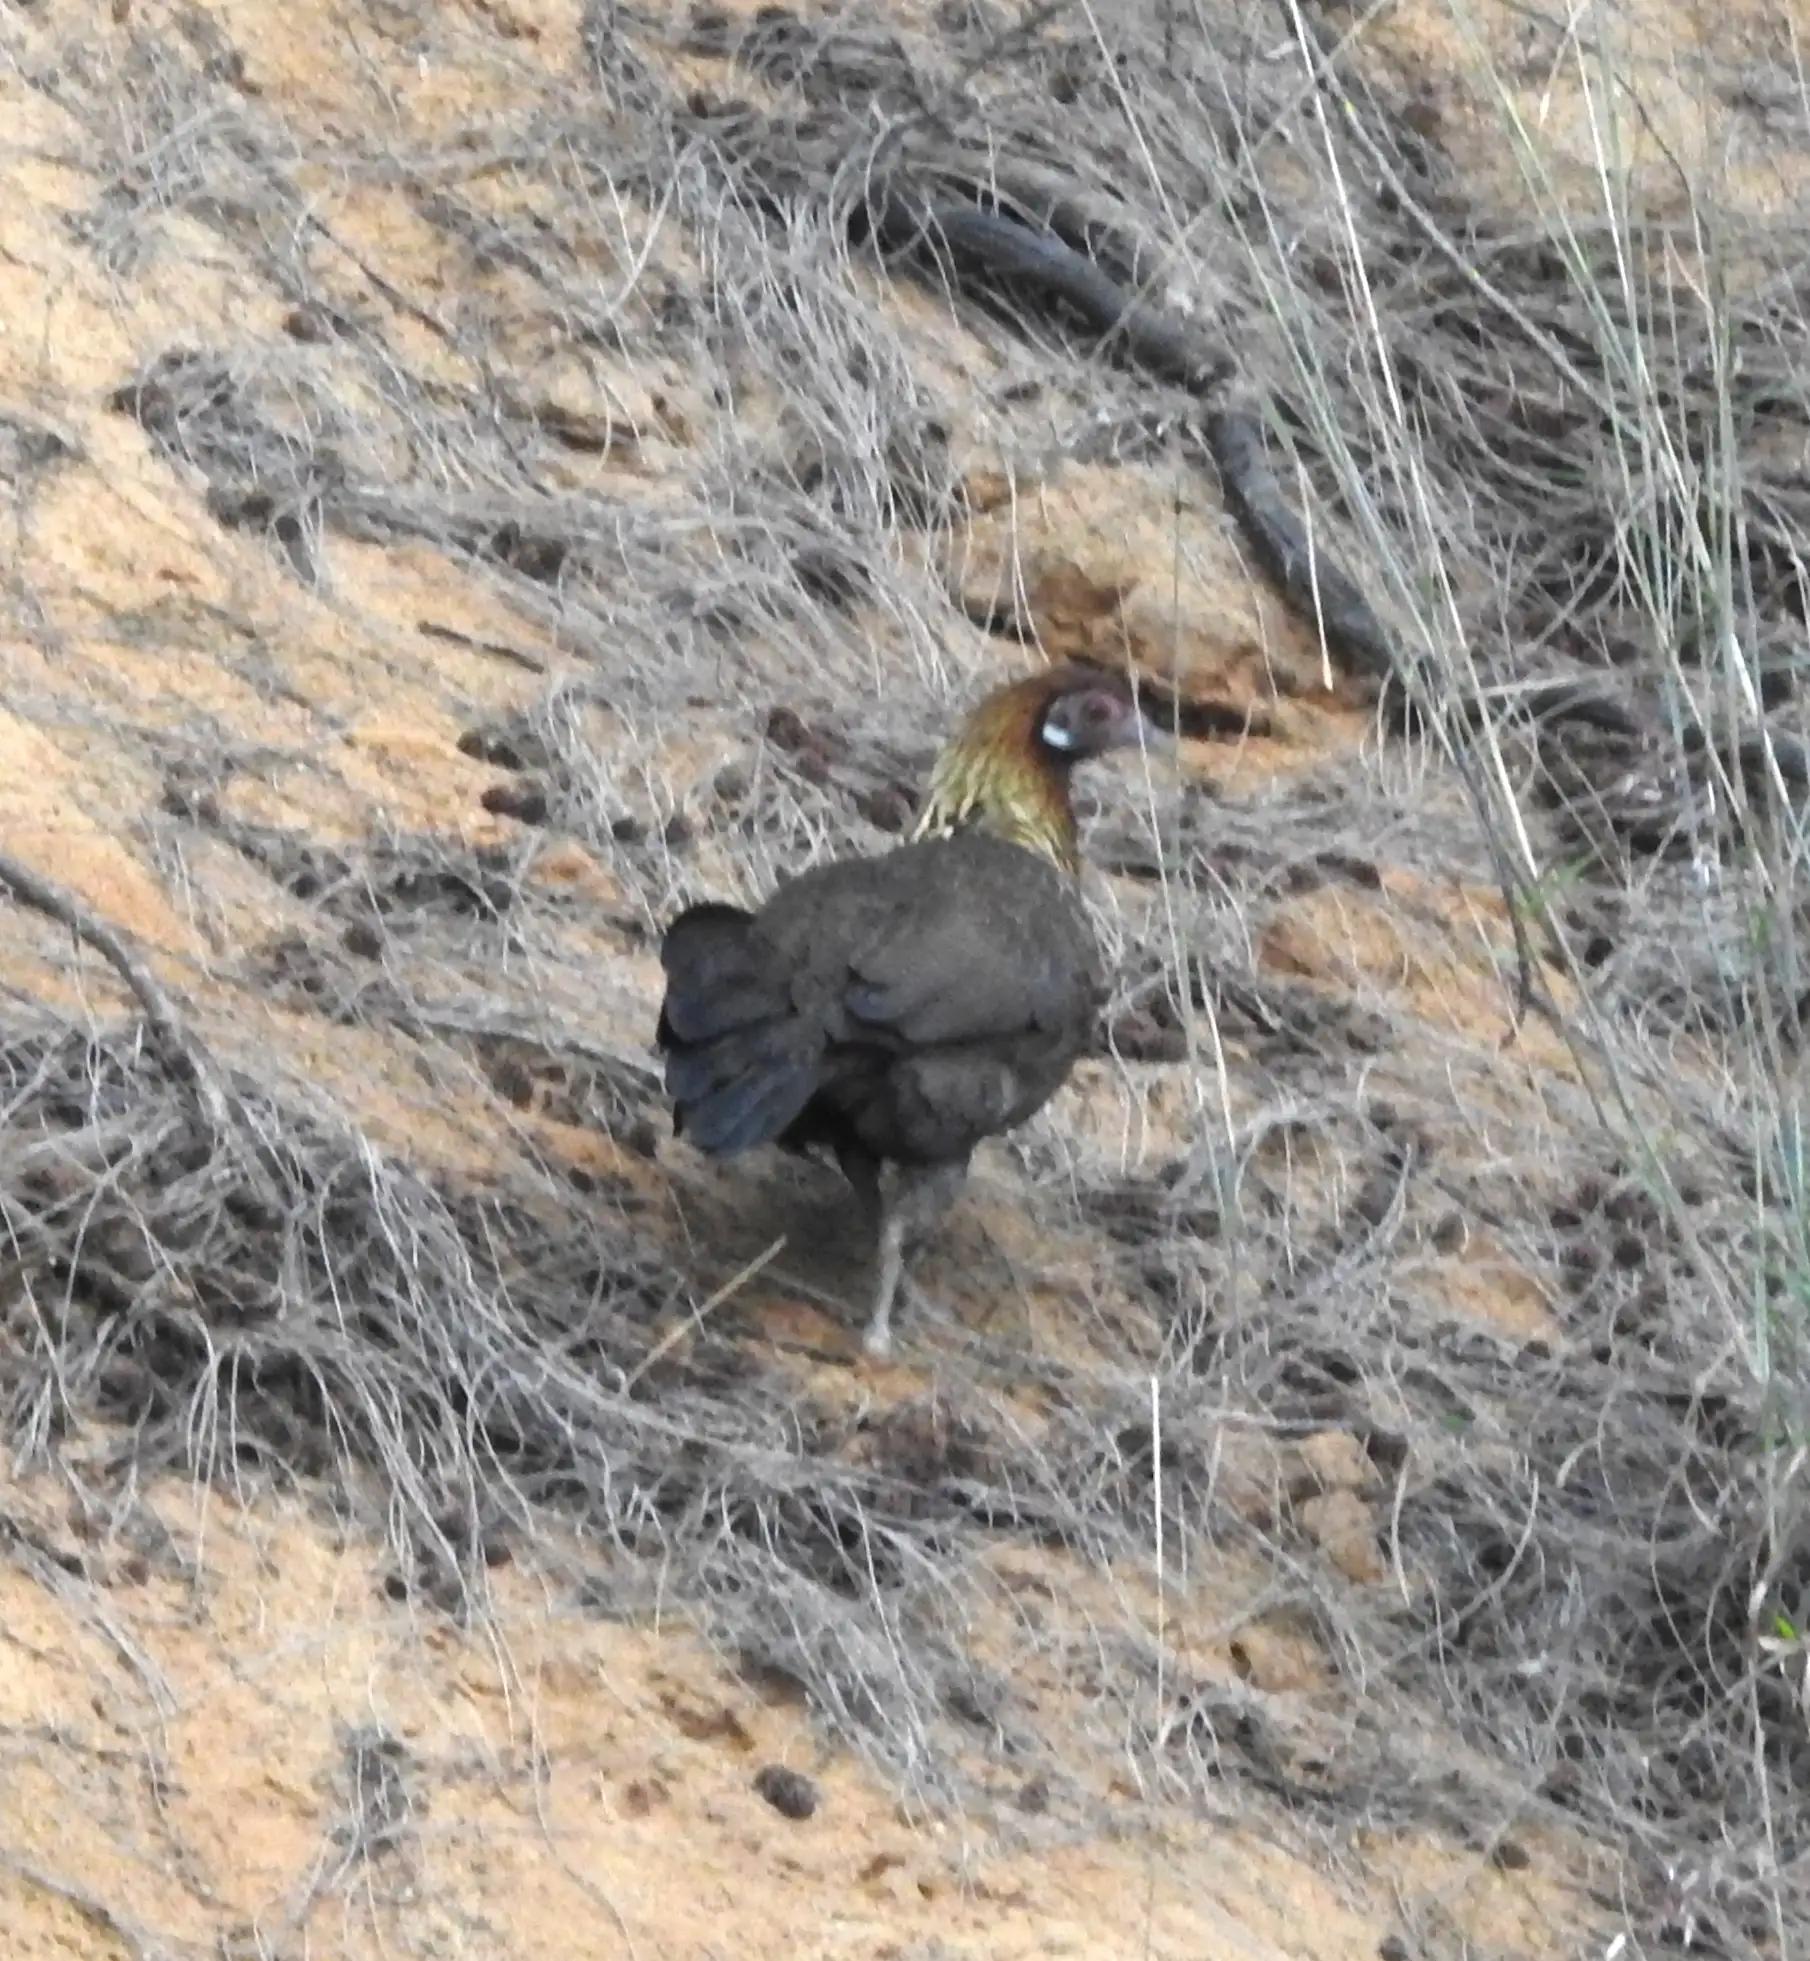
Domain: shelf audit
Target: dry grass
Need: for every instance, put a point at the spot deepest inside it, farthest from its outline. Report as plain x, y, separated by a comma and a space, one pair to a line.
614, 360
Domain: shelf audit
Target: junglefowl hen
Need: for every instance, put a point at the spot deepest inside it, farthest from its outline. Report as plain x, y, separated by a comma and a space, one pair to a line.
896, 1010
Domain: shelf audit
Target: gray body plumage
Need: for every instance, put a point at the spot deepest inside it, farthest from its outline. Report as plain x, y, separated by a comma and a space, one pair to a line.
905, 1006
895, 1010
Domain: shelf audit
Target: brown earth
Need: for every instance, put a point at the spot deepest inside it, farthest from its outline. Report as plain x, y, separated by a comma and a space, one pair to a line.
220, 1740
219, 1732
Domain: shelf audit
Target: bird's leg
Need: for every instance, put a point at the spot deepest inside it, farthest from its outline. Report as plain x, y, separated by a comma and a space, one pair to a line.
864, 1175
917, 1199
877, 1340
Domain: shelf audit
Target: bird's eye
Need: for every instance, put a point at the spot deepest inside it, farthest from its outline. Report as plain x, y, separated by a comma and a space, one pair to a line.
1098, 709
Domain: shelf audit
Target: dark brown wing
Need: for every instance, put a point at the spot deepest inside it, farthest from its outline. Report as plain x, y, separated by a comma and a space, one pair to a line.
955, 982
954, 940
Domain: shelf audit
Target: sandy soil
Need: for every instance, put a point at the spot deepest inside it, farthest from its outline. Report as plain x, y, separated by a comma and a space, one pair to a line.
220, 1737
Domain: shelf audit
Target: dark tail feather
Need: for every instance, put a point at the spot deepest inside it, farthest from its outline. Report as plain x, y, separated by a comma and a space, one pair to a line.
714, 978
739, 1067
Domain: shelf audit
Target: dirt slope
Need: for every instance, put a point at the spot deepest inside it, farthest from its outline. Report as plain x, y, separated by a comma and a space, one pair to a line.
244, 1747
439, 543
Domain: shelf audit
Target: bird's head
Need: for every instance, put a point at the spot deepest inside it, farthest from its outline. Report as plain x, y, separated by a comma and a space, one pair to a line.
1007, 768
1091, 713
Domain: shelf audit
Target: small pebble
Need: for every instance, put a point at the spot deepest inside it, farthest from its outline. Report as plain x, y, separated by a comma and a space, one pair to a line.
789, 1792
525, 802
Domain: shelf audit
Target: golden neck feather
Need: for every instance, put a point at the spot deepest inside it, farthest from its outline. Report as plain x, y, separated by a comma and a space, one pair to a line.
996, 776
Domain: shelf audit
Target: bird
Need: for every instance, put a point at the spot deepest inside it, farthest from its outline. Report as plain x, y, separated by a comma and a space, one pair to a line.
896, 1010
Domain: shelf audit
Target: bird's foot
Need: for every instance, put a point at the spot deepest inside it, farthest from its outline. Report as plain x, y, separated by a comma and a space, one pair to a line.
878, 1337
